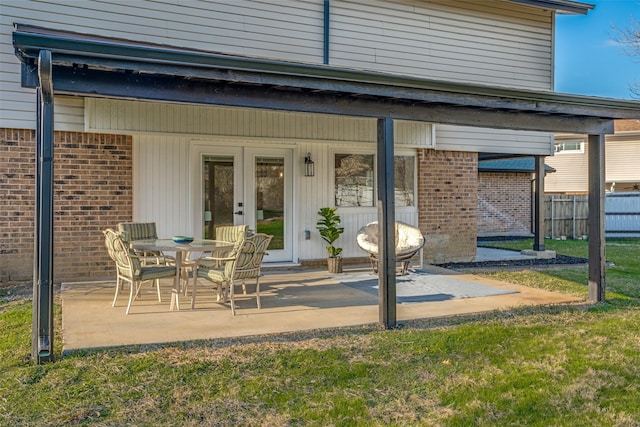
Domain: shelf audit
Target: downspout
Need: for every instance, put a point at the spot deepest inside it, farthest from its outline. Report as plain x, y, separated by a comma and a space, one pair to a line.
42, 322
326, 31
538, 240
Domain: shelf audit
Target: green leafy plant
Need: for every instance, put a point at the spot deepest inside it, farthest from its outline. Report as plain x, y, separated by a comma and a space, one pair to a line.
330, 230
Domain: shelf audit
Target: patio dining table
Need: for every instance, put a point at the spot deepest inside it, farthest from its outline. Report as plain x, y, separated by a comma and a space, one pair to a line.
180, 249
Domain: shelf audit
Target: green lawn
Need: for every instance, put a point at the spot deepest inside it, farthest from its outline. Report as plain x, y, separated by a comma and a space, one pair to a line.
543, 366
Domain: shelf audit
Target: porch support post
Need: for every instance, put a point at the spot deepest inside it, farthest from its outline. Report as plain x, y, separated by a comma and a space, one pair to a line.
597, 241
538, 217
386, 225
42, 322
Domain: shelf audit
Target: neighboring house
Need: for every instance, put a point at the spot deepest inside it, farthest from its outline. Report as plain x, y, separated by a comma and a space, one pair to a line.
622, 157
505, 196
196, 114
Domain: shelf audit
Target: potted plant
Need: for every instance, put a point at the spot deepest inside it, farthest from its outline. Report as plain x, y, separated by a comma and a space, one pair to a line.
330, 231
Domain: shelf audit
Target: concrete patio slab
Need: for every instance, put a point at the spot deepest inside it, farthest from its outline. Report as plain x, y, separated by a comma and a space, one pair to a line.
292, 300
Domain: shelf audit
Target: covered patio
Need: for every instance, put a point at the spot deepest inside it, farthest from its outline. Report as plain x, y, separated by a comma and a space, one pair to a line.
292, 301
72, 64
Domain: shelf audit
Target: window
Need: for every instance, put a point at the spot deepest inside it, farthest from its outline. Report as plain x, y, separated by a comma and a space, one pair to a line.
569, 147
355, 180
404, 185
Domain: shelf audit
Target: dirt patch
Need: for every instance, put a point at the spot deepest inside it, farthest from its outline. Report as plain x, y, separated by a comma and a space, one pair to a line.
15, 290
558, 261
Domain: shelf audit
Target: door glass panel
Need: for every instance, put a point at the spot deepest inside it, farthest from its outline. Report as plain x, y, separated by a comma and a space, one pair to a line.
218, 193
270, 199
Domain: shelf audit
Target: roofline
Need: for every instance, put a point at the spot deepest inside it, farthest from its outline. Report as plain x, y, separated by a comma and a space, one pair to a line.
561, 6
68, 47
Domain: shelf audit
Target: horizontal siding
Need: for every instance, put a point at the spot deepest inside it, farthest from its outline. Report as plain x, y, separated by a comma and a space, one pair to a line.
479, 42
462, 138
281, 30
104, 115
69, 113
571, 174
490, 42
622, 158
622, 161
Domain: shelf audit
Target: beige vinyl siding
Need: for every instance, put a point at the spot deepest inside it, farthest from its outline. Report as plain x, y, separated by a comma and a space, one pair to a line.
623, 160
286, 30
571, 175
462, 138
491, 42
622, 157
69, 113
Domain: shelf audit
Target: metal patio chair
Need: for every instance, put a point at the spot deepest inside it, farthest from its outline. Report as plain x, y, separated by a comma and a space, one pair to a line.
131, 269
243, 262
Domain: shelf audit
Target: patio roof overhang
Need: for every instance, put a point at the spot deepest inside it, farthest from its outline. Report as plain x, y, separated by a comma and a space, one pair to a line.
60, 62
106, 67
561, 6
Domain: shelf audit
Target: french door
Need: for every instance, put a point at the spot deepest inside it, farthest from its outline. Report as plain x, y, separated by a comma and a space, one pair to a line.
268, 197
250, 186
222, 195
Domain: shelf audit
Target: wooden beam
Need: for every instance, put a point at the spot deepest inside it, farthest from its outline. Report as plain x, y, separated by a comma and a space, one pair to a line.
386, 225
100, 83
538, 217
597, 256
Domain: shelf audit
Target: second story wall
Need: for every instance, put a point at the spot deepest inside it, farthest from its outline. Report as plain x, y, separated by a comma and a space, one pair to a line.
488, 42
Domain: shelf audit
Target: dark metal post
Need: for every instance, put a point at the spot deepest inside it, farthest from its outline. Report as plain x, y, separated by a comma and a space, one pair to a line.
42, 323
597, 241
386, 224
538, 217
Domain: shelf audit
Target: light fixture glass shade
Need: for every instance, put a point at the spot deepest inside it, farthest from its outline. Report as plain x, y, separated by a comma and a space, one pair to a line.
309, 166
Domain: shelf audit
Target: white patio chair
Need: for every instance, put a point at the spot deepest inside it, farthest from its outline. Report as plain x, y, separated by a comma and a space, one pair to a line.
408, 242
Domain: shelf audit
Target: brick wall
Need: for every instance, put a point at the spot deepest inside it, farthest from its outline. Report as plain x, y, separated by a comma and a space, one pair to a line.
504, 204
447, 204
92, 191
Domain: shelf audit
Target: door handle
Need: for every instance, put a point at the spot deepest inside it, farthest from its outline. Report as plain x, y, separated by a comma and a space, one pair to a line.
239, 213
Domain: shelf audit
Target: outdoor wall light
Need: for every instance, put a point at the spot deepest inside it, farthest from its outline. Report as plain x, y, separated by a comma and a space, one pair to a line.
309, 166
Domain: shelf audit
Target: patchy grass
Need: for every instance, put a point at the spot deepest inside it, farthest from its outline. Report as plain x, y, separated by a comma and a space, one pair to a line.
622, 277
534, 366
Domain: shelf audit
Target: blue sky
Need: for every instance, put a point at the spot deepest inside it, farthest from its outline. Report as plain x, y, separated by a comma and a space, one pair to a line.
588, 61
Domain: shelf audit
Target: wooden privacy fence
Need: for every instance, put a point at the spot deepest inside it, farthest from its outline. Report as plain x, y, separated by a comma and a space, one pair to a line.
566, 215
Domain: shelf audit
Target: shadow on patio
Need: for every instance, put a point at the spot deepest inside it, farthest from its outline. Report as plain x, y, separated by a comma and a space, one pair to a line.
292, 300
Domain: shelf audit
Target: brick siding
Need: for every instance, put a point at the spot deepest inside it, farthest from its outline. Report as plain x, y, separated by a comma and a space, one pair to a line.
92, 191
447, 204
504, 204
